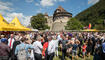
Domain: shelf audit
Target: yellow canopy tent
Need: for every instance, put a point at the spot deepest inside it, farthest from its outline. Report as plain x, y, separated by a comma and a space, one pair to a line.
93, 30
17, 24
4, 25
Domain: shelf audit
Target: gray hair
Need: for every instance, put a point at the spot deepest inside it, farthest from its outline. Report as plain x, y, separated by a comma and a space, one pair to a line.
49, 37
39, 37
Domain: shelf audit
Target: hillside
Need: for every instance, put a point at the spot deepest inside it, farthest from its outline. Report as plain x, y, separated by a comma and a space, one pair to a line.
94, 15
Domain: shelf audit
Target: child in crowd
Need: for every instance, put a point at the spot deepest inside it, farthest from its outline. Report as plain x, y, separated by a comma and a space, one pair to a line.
74, 50
84, 49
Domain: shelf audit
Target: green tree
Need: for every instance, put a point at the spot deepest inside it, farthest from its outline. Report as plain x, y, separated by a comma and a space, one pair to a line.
99, 27
99, 24
74, 24
39, 22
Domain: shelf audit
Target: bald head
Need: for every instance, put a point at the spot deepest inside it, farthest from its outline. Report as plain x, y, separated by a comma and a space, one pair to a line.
12, 35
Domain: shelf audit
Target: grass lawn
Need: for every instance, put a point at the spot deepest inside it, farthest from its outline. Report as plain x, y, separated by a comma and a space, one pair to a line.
67, 58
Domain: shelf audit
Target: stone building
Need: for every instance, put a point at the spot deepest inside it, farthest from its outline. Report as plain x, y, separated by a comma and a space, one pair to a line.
59, 19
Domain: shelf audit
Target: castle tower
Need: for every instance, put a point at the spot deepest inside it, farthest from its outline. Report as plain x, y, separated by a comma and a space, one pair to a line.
60, 18
49, 20
60, 14
46, 15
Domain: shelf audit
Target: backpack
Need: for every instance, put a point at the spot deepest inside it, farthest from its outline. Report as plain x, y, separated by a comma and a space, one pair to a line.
22, 55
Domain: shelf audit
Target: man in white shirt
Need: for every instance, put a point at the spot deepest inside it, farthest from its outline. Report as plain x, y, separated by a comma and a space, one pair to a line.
51, 48
38, 48
11, 41
59, 36
56, 41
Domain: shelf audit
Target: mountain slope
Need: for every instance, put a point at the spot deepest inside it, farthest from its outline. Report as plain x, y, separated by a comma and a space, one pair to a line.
94, 15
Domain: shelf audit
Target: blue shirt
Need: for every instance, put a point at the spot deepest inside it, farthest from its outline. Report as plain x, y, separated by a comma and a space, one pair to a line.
75, 46
27, 46
103, 47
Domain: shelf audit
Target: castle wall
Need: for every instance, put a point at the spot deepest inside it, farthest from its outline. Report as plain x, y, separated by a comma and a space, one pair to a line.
61, 19
59, 23
49, 21
58, 26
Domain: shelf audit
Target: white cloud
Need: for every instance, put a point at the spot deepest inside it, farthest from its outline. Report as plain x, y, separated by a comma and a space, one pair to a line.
5, 6
9, 15
25, 20
49, 2
37, 4
5, 3
93, 1
29, 1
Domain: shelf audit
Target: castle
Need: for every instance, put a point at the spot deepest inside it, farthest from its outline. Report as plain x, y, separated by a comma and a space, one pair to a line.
58, 21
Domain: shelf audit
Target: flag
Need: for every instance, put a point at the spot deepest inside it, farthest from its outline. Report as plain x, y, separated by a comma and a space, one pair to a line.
89, 26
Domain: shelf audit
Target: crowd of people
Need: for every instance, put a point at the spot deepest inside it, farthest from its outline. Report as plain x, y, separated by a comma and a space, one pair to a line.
47, 45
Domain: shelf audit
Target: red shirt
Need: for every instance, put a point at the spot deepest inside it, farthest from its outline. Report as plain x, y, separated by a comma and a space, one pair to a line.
45, 45
84, 48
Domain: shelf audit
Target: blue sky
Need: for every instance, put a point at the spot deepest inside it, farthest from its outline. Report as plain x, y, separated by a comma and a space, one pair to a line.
24, 9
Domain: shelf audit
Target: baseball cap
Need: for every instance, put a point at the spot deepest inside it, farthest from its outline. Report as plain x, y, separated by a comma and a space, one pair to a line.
3, 40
